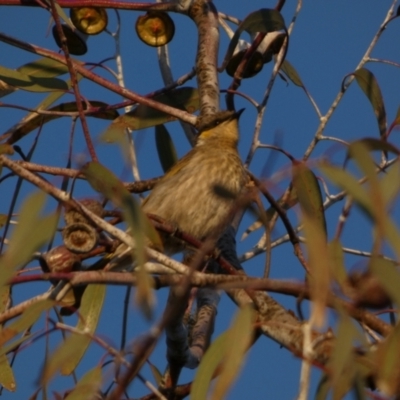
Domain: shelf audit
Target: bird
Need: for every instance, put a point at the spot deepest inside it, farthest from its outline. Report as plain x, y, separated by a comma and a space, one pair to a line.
196, 195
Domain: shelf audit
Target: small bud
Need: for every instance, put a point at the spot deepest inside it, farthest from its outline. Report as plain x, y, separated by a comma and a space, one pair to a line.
60, 259
80, 237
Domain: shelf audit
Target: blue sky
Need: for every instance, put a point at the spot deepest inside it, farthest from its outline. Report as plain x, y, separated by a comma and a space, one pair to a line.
328, 41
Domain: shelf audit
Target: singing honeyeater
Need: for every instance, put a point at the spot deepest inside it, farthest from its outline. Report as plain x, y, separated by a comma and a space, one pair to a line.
187, 196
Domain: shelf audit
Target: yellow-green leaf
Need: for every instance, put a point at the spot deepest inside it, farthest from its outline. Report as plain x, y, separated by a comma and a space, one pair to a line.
350, 184
336, 262
141, 117
388, 275
62, 355
27, 319
165, 148
239, 336
388, 362
43, 68
370, 87
32, 231
90, 310
318, 262
291, 73
88, 386
38, 120
31, 83
220, 350
309, 194
7, 379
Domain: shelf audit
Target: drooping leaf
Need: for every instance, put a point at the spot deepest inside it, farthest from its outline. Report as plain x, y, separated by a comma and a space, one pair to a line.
43, 68
217, 353
31, 83
91, 306
388, 275
309, 194
32, 231
388, 362
291, 73
349, 183
165, 148
318, 262
39, 120
27, 319
157, 375
323, 388
390, 183
336, 262
87, 386
62, 355
105, 182
240, 334
384, 224
368, 83
141, 117
374, 144
7, 379
342, 364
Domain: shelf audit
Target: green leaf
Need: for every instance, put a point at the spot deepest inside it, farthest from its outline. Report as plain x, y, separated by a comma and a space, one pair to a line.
324, 385
157, 375
90, 310
27, 319
291, 73
240, 334
38, 120
341, 364
390, 183
336, 262
31, 83
43, 68
309, 194
368, 83
219, 351
350, 184
14, 133
62, 355
7, 379
388, 275
105, 182
165, 148
374, 144
388, 362
87, 386
32, 231
142, 117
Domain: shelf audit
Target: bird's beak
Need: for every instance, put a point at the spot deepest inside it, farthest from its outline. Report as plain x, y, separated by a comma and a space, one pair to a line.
239, 113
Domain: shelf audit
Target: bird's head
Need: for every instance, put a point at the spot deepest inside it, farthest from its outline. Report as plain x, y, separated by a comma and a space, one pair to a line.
223, 125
